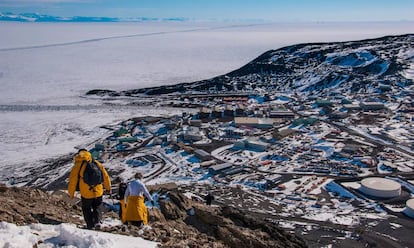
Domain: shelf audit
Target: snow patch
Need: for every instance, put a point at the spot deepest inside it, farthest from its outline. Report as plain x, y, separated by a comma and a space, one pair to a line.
66, 235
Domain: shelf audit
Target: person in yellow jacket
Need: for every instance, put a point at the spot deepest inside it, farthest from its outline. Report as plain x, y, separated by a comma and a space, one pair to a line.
91, 196
136, 211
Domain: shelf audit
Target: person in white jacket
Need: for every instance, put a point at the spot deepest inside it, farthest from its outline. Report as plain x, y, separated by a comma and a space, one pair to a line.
136, 211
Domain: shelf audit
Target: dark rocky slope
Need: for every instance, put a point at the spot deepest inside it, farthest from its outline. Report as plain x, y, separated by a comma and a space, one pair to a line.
365, 66
179, 222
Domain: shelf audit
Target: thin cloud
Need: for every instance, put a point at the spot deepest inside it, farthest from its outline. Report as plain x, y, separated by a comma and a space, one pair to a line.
34, 2
38, 3
49, 1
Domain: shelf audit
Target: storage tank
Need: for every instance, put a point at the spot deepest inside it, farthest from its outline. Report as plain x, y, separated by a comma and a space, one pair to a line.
409, 208
380, 187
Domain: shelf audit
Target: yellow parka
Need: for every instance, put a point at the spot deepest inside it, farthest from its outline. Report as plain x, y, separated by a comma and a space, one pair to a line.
136, 209
75, 175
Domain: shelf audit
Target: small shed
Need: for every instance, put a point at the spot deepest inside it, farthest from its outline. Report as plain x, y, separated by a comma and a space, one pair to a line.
216, 169
372, 106
201, 154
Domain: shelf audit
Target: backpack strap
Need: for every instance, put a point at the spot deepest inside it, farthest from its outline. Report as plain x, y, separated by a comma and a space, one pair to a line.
83, 162
77, 184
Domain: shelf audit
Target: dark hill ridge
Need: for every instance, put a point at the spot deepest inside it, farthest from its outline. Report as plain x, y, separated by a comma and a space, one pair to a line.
313, 68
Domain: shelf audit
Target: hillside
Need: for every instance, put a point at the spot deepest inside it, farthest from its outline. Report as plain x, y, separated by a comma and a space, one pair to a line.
323, 69
172, 225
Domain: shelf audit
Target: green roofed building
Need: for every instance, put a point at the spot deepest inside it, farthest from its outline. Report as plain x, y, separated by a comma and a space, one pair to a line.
128, 139
120, 132
304, 121
99, 147
323, 103
95, 154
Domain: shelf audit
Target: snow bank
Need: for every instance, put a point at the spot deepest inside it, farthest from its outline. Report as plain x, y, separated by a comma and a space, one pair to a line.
66, 235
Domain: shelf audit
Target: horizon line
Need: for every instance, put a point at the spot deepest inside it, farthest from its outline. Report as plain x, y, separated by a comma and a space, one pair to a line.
38, 17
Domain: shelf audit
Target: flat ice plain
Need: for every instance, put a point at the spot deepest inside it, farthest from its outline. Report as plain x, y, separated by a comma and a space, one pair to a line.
45, 68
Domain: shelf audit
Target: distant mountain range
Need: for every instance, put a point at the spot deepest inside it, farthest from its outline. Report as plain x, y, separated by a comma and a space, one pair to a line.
384, 64
34, 17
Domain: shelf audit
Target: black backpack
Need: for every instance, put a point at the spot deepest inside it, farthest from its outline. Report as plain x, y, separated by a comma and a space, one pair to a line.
92, 174
121, 190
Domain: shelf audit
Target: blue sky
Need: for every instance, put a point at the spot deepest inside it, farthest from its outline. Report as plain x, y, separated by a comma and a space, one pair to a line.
273, 10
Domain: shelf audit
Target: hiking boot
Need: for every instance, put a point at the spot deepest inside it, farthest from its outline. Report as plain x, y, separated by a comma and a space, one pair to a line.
84, 227
97, 226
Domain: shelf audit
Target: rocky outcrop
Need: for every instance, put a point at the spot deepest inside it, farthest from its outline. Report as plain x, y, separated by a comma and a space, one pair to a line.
25, 205
175, 205
214, 226
235, 228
